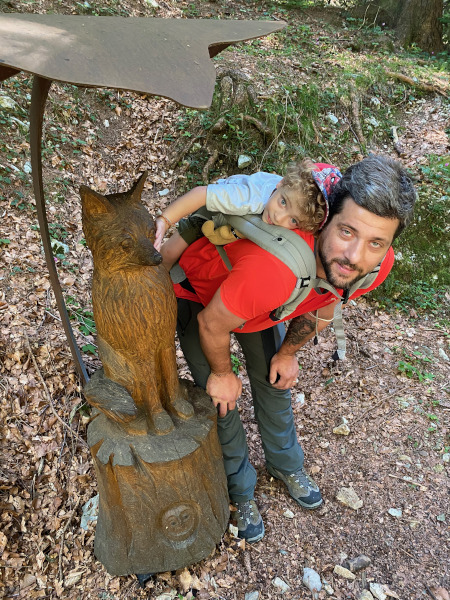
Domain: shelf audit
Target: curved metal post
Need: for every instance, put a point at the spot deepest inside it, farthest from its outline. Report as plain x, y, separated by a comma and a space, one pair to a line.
39, 95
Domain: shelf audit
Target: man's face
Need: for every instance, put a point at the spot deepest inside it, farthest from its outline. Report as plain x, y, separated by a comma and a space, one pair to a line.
282, 208
353, 244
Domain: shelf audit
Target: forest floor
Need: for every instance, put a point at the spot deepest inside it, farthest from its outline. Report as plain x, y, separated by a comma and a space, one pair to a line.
392, 390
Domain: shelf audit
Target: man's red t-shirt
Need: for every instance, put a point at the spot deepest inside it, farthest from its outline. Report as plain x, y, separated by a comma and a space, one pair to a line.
257, 284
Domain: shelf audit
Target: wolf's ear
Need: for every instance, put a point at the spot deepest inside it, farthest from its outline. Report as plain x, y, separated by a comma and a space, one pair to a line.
93, 203
136, 191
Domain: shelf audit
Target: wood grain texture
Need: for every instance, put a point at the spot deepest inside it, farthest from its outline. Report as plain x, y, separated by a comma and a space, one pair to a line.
162, 484
163, 499
134, 311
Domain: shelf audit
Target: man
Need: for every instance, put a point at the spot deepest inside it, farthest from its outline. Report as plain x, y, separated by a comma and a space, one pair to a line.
369, 207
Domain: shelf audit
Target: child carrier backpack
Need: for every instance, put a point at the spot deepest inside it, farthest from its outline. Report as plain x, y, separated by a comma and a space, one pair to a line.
295, 253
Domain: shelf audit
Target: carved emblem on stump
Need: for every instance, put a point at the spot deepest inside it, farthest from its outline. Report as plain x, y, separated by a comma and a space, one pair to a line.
162, 485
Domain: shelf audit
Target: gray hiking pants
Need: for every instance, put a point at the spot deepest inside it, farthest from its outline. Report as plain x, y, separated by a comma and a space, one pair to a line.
273, 410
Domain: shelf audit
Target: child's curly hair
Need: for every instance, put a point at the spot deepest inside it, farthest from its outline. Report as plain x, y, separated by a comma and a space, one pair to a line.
310, 200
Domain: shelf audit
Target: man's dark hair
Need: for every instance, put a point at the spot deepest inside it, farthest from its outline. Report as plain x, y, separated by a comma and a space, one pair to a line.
380, 185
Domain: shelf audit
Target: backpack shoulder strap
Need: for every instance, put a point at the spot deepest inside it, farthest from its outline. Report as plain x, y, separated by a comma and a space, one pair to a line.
286, 245
365, 282
338, 324
289, 248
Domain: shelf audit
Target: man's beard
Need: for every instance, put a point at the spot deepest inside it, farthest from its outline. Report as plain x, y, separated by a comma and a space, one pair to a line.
334, 280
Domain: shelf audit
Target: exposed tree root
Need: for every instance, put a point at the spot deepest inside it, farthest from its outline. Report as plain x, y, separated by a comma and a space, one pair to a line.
209, 165
260, 126
219, 126
252, 95
178, 157
235, 74
240, 94
355, 113
235, 90
397, 144
236, 87
426, 87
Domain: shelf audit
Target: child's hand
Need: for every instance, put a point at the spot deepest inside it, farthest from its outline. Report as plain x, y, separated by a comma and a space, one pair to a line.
161, 227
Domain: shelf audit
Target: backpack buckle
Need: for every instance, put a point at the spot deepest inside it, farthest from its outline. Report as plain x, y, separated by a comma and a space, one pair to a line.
303, 282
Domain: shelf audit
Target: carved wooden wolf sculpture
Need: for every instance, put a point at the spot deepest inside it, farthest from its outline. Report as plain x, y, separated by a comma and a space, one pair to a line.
134, 312
162, 484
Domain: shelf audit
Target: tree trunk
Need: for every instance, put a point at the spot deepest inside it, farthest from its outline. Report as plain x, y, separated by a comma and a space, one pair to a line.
163, 498
414, 21
419, 23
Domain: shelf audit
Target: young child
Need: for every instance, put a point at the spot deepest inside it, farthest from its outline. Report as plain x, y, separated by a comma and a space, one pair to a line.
299, 200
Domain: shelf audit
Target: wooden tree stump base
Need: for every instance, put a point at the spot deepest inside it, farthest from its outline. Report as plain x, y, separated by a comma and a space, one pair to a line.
163, 498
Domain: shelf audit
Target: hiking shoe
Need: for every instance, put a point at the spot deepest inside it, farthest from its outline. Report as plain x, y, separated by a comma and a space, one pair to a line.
301, 487
249, 522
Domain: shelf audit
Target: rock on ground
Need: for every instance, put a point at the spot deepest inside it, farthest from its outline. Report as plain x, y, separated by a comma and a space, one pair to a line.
343, 572
348, 497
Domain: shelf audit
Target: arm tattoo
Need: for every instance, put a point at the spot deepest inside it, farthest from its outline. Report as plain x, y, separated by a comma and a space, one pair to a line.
299, 331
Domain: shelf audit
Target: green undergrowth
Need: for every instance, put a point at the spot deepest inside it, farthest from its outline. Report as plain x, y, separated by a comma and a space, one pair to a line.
15, 168
67, 107
421, 276
323, 92
319, 89
83, 320
112, 8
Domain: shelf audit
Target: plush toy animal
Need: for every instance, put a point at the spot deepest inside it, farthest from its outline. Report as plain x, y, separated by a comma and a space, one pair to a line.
219, 236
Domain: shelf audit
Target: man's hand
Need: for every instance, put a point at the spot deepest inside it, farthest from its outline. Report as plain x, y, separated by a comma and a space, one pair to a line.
286, 366
224, 391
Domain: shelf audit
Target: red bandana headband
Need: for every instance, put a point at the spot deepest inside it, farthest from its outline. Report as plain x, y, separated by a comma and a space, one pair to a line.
326, 177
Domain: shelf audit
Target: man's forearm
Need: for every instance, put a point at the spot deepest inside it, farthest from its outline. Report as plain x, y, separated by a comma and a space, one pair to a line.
300, 330
215, 341
284, 366
215, 323
217, 350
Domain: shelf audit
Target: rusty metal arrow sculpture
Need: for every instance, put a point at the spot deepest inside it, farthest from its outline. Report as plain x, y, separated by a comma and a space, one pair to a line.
165, 57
